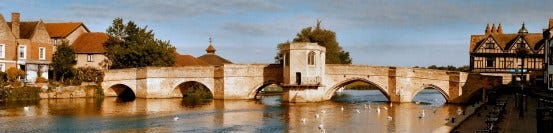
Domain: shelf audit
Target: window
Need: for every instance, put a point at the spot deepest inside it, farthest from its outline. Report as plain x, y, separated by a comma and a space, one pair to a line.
489, 45
22, 54
2, 67
490, 61
42, 53
311, 58
2, 49
90, 57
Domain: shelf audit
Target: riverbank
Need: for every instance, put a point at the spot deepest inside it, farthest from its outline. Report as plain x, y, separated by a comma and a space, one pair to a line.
44, 91
83, 91
507, 120
24, 93
455, 121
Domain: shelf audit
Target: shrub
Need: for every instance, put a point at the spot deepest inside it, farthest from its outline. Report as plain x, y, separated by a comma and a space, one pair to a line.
3, 79
13, 75
89, 74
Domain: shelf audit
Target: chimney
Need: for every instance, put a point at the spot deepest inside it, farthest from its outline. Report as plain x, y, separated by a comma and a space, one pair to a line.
493, 28
487, 31
15, 24
499, 29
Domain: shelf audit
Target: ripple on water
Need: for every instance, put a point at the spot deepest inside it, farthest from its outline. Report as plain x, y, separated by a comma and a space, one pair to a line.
265, 115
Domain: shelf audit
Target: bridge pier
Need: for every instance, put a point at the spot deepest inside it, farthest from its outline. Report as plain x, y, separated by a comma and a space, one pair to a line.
302, 94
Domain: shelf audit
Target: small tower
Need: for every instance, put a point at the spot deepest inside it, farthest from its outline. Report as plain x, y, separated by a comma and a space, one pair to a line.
304, 63
303, 68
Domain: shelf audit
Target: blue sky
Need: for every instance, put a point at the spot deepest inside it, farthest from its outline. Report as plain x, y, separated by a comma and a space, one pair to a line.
375, 32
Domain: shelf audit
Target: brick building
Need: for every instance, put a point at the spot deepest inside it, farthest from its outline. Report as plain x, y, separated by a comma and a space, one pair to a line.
90, 51
25, 45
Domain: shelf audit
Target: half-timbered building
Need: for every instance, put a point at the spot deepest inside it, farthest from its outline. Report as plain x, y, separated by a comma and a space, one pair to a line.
497, 53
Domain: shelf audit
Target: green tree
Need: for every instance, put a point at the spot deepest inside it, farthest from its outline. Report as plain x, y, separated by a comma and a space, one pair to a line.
63, 62
132, 46
323, 37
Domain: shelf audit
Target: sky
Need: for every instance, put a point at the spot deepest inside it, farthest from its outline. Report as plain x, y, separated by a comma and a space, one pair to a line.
375, 32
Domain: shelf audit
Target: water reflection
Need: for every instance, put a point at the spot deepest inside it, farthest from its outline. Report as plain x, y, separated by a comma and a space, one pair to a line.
265, 115
429, 96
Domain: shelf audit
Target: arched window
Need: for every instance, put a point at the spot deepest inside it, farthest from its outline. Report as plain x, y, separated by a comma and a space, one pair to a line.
311, 58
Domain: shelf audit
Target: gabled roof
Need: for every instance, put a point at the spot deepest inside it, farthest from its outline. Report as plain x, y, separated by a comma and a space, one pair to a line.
505, 41
90, 43
188, 60
214, 59
63, 29
26, 29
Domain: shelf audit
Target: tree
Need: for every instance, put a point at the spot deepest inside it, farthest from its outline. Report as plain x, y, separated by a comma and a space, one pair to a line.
63, 62
323, 37
132, 46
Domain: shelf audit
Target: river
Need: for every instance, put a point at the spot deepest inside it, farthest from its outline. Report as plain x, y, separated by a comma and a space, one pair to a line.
265, 115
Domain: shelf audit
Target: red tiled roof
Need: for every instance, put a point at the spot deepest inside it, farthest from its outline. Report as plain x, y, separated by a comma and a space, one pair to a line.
62, 29
214, 59
188, 60
90, 43
26, 29
505, 41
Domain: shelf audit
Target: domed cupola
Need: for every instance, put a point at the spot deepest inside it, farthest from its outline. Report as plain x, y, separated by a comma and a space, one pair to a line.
522, 30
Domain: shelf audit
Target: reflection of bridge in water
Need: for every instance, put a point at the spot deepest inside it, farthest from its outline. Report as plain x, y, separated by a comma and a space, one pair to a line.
304, 76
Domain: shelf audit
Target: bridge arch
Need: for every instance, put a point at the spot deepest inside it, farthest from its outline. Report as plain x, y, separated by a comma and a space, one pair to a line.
330, 92
180, 90
435, 87
254, 91
123, 91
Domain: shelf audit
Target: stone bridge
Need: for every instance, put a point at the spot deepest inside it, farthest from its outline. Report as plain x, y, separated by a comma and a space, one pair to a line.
304, 76
235, 81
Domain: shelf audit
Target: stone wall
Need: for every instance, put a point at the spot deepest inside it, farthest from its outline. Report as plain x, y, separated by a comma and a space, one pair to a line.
69, 92
243, 81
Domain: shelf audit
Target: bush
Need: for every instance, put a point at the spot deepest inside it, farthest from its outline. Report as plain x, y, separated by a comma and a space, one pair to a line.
89, 74
13, 75
3, 79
